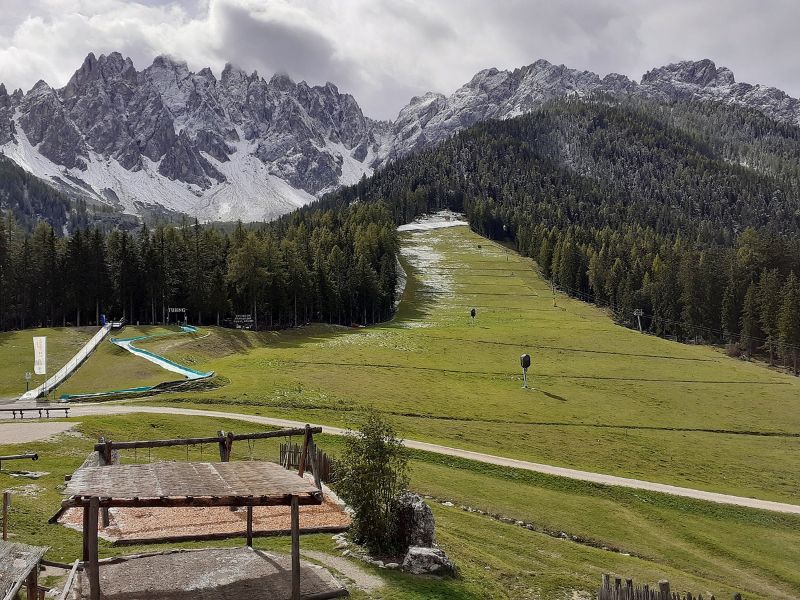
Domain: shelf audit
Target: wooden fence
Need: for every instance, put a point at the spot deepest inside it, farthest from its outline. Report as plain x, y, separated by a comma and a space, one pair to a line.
290, 459
628, 591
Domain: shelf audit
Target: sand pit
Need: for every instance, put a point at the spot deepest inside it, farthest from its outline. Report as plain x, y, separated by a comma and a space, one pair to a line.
22, 433
221, 574
141, 525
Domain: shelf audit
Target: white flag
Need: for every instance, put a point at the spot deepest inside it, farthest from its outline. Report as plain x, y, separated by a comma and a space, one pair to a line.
40, 355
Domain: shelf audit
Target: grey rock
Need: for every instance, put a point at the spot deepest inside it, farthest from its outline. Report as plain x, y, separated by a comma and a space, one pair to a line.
416, 523
427, 561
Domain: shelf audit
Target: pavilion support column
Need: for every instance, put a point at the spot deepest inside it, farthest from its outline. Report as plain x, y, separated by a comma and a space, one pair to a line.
105, 458
295, 548
32, 583
90, 547
250, 525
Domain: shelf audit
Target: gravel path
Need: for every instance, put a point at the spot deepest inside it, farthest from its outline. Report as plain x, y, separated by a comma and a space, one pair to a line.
21, 433
362, 580
601, 478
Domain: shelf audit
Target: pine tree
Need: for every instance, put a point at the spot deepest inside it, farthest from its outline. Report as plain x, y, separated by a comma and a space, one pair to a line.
789, 319
748, 322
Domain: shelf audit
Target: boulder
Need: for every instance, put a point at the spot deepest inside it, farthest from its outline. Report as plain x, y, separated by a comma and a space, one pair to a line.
415, 521
423, 561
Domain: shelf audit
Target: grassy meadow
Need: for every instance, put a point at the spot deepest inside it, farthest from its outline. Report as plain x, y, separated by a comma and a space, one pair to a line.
16, 355
698, 546
113, 368
604, 398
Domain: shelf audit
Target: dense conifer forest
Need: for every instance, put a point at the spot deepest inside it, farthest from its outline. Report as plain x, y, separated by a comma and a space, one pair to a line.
689, 212
336, 266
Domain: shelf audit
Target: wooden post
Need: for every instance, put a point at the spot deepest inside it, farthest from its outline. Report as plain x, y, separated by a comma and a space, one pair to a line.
315, 462
32, 583
304, 452
663, 589
225, 444
104, 460
250, 525
6, 502
223, 457
295, 548
90, 547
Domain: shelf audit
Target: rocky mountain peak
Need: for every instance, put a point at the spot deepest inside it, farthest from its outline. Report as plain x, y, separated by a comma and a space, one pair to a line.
282, 82
702, 73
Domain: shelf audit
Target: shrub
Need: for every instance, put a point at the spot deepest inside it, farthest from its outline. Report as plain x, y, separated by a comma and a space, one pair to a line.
372, 473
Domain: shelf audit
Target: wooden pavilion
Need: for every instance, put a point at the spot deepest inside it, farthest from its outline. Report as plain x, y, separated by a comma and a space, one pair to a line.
181, 484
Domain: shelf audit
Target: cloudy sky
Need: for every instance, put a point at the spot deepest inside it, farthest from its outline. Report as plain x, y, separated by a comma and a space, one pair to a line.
385, 51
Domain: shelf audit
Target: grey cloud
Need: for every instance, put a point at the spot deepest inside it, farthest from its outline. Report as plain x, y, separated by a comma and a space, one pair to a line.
384, 51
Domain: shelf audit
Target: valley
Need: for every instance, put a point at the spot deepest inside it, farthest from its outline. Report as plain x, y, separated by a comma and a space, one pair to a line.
603, 398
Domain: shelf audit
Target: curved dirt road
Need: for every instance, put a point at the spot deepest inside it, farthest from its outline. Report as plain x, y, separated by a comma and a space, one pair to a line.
637, 484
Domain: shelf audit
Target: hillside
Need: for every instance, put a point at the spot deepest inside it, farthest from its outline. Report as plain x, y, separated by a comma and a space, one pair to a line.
629, 404
689, 212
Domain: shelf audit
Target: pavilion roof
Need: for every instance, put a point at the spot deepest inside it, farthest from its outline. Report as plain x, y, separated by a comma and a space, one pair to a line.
190, 484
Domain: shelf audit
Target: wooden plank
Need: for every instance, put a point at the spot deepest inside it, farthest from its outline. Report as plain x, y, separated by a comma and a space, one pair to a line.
295, 549
70, 581
90, 534
314, 498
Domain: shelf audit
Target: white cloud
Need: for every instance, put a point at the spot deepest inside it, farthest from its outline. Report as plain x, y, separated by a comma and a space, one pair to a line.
384, 51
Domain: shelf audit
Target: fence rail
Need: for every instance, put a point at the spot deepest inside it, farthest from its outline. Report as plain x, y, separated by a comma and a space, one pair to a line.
618, 591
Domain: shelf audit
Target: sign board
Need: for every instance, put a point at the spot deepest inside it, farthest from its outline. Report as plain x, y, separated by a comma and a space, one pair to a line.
243, 321
28, 375
40, 355
176, 310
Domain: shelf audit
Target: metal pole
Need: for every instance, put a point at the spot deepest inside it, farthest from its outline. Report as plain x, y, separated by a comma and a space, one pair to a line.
524, 378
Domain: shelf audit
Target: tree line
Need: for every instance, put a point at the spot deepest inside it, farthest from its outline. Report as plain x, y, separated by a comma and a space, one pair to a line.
689, 212
332, 265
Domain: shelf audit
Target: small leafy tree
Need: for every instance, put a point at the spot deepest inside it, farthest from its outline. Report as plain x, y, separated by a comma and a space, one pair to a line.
372, 472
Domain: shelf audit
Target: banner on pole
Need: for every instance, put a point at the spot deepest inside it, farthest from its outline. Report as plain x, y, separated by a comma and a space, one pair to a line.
40, 355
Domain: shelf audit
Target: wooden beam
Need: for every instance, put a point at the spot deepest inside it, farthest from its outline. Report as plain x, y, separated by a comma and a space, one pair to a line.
173, 502
220, 437
70, 580
295, 549
90, 535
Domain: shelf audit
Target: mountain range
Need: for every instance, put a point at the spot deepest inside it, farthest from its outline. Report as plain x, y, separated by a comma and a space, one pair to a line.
238, 146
